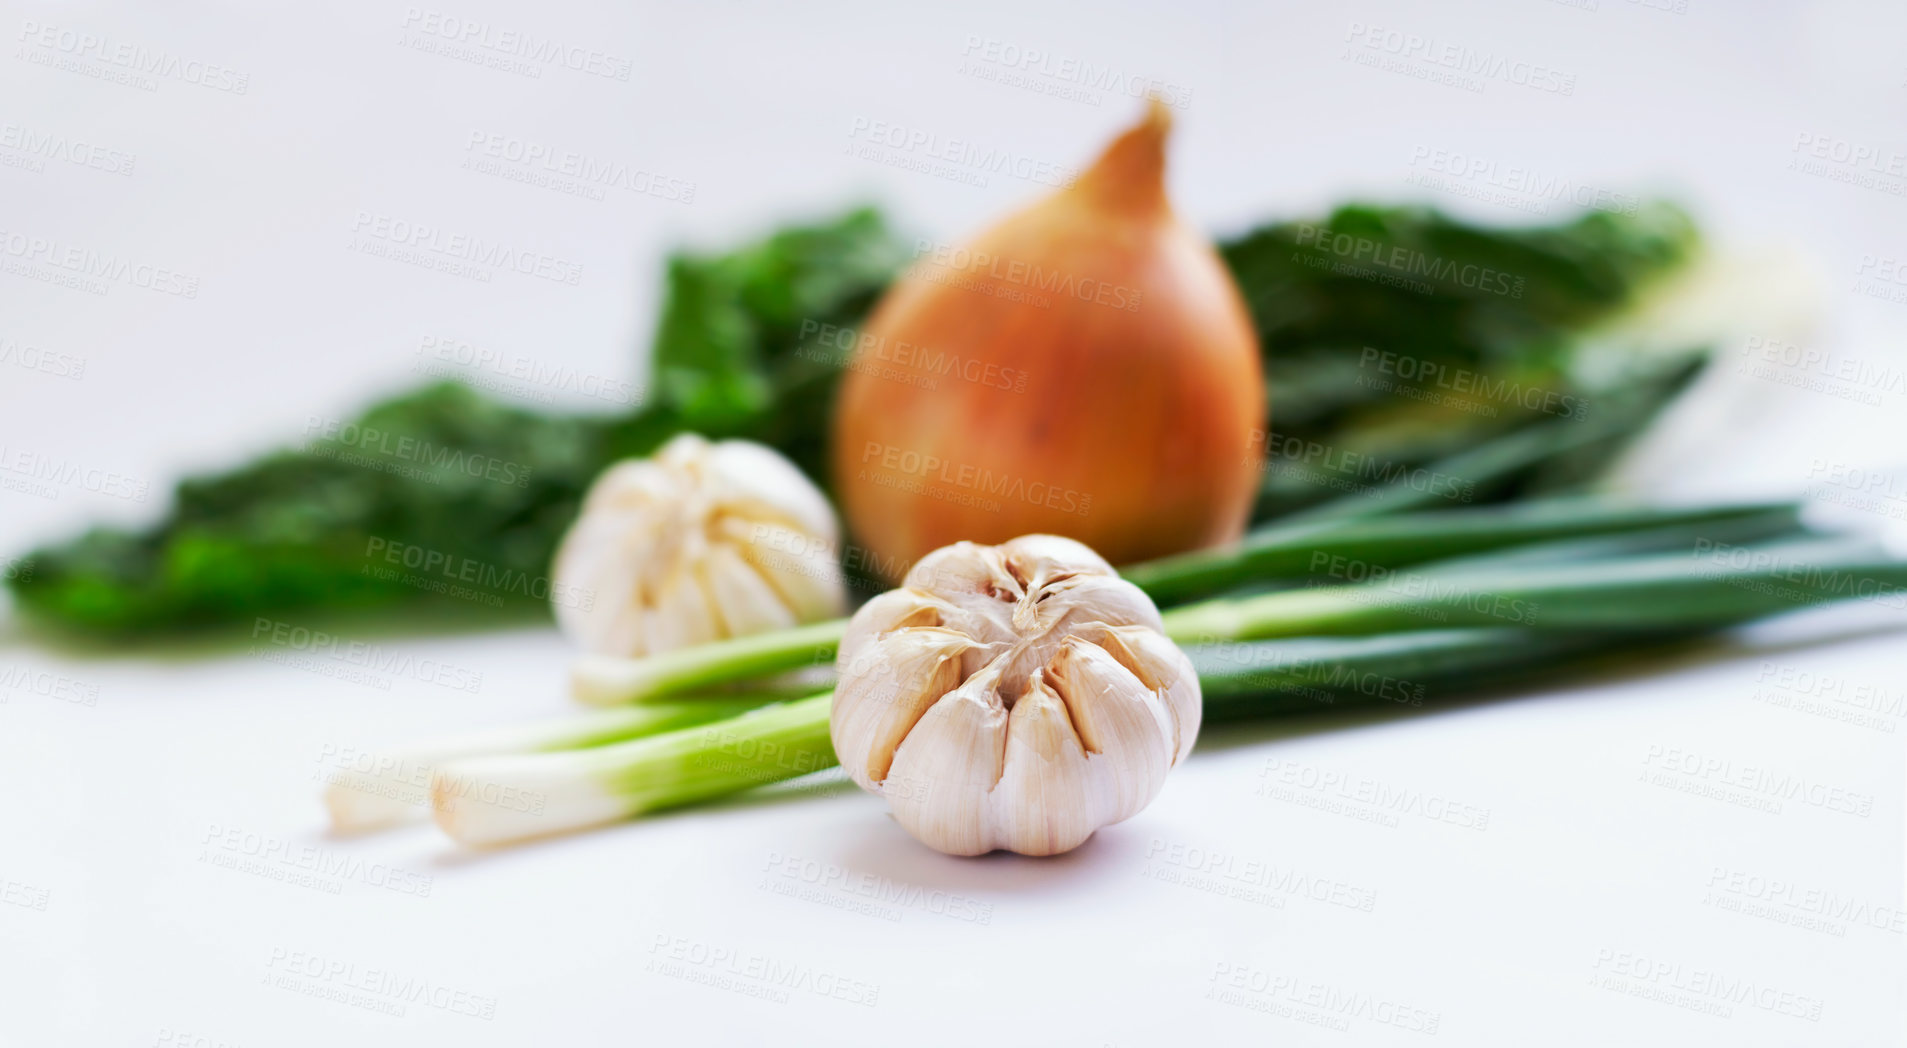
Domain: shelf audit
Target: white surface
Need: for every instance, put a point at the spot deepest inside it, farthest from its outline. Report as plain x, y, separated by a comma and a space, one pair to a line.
1505, 934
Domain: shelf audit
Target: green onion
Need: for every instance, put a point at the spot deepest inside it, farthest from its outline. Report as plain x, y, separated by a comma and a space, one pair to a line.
1643, 593
496, 800
381, 789
1567, 610
1554, 455
604, 680
493, 800
1277, 554
1523, 608
1257, 679
1290, 551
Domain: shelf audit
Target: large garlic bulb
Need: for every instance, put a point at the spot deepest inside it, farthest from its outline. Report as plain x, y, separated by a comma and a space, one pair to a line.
1017, 696
705, 540
1086, 368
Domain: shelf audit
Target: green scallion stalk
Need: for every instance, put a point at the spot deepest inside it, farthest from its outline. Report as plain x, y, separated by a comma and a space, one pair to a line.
372, 790
495, 800
1274, 554
1258, 679
1294, 551
1644, 593
1555, 455
1561, 610
604, 680
1538, 614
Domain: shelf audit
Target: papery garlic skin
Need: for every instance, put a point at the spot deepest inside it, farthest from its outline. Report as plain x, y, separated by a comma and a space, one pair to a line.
1017, 696
703, 541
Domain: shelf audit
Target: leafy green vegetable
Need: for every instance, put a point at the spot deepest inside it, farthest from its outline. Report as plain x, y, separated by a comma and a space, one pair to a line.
727, 354
1394, 337
298, 528
748, 345
444, 498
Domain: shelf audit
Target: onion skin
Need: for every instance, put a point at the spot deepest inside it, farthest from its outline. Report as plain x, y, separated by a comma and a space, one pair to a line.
1128, 413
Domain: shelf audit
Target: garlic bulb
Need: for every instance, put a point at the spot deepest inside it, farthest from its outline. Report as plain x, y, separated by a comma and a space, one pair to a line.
1085, 368
1017, 696
705, 540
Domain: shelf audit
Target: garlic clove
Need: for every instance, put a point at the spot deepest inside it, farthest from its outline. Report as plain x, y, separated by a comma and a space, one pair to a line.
754, 482
743, 600
614, 625
885, 689
1121, 722
803, 570
893, 610
599, 561
965, 570
1048, 801
1085, 599
1163, 668
901, 608
682, 616
944, 772
1007, 590
629, 485
1040, 559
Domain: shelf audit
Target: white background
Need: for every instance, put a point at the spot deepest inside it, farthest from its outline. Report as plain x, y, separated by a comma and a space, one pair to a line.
1591, 879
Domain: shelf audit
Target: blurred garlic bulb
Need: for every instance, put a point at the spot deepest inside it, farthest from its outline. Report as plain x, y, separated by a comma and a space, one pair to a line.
1017, 696
1086, 368
703, 541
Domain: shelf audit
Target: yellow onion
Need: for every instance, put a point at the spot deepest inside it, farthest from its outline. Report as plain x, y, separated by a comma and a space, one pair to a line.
1084, 368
